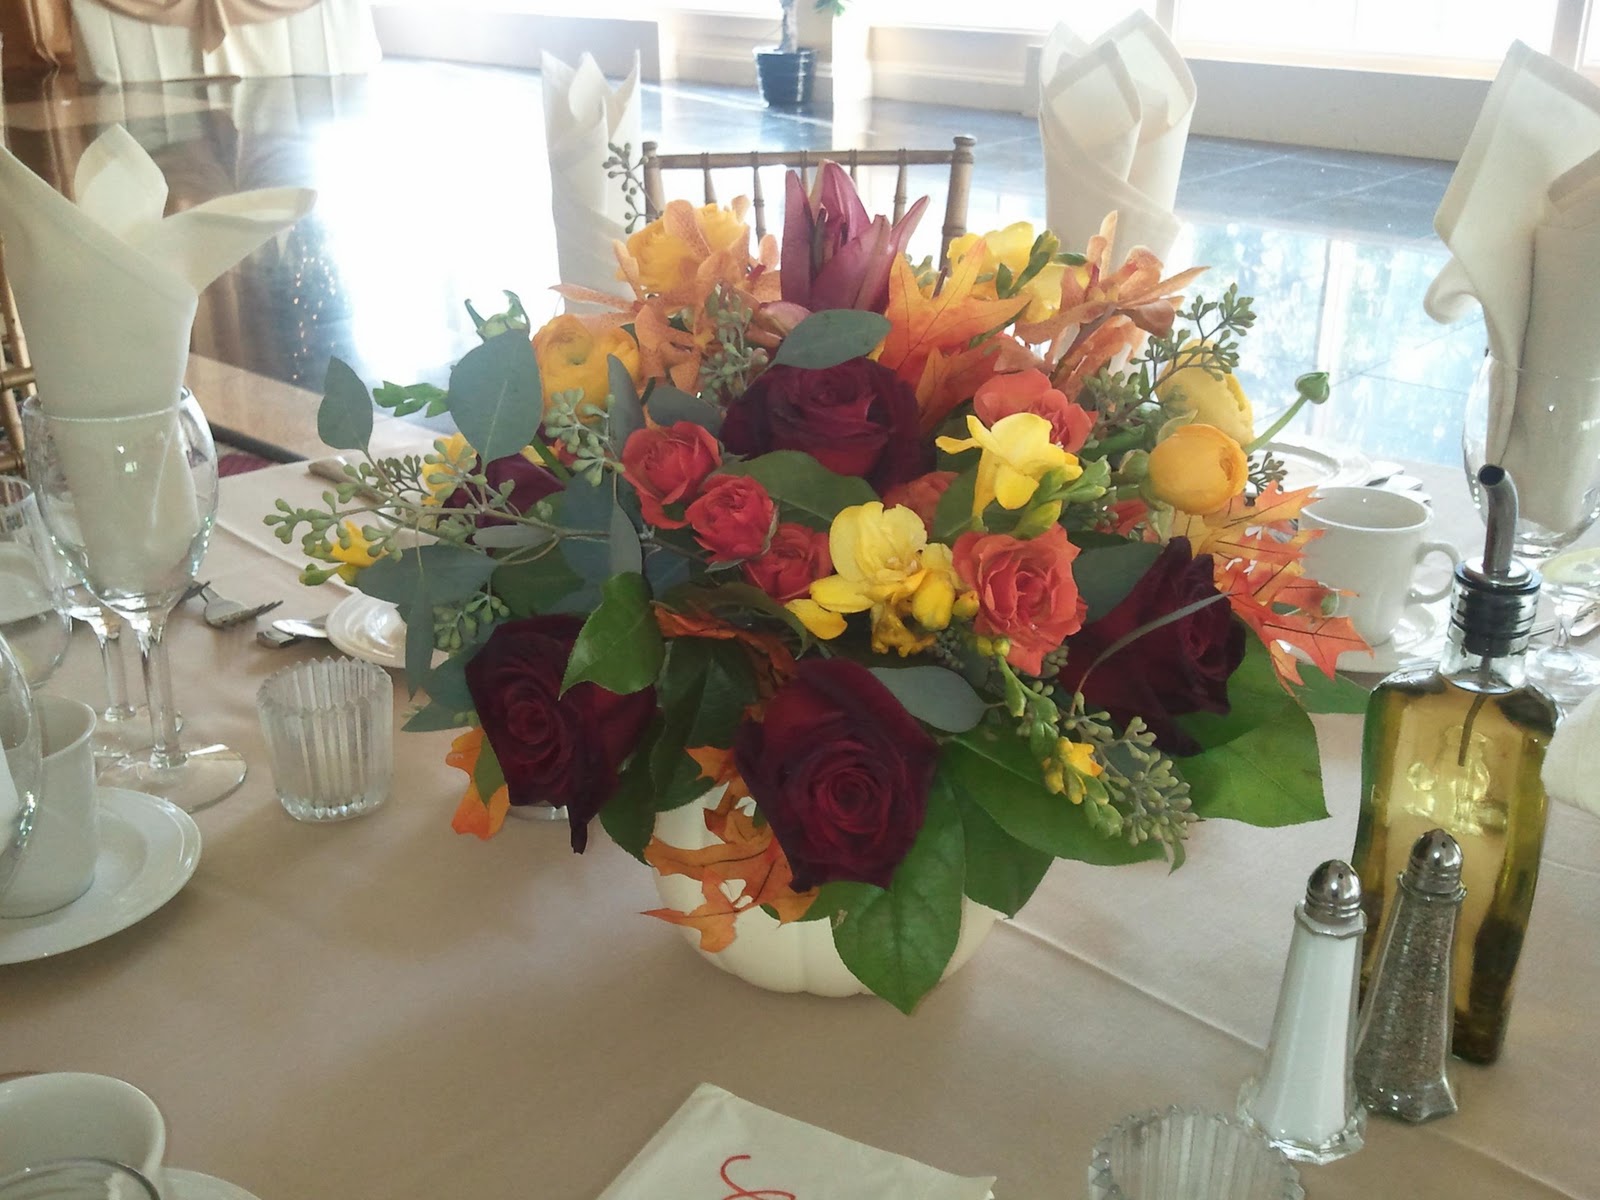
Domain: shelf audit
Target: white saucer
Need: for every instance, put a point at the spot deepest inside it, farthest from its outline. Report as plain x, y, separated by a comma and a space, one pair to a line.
1319, 465
191, 1185
148, 850
369, 629
1419, 636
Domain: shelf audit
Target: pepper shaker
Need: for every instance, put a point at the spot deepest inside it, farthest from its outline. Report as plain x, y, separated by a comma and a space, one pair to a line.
1304, 1101
1404, 1041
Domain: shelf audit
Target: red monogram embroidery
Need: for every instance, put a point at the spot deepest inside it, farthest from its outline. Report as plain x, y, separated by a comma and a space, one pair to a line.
741, 1193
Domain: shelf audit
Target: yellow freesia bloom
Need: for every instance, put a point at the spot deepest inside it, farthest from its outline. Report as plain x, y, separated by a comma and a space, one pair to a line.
883, 565
356, 557
1010, 247
1017, 454
455, 459
1080, 757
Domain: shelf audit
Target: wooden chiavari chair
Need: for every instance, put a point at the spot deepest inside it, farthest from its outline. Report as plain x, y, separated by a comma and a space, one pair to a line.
16, 374
958, 158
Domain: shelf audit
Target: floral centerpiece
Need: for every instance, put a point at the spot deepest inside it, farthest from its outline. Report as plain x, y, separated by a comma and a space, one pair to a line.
928, 578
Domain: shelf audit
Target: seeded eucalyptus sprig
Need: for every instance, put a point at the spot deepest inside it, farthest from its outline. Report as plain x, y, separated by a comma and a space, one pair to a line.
1145, 799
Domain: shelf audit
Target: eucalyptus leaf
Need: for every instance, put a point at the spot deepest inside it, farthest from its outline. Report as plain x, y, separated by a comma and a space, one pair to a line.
626, 555
1000, 775
510, 537
898, 942
418, 616
626, 416
534, 587
1105, 575
440, 573
936, 695
495, 395
432, 717
487, 776
619, 647
827, 338
805, 490
668, 405
344, 418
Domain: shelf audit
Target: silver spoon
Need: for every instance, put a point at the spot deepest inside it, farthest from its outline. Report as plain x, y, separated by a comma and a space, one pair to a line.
286, 631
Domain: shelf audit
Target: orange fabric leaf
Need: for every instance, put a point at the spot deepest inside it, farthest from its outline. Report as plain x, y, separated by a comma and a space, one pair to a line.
472, 814
771, 658
1229, 532
717, 766
714, 918
1277, 601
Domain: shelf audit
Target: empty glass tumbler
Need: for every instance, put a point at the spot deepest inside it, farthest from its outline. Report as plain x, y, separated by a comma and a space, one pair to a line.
329, 726
1182, 1154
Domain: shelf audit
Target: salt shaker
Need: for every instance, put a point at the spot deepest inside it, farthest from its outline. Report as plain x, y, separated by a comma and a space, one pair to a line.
1403, 1044
1305, 1100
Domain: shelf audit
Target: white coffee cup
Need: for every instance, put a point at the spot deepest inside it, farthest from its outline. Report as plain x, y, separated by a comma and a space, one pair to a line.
70, 1115
1370, 546
58, 860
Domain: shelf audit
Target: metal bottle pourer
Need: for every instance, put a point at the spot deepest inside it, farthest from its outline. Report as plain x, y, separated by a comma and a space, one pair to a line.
1403, 1045
1495, 596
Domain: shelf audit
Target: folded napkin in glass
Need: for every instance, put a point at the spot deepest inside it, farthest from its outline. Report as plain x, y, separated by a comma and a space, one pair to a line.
717, 1144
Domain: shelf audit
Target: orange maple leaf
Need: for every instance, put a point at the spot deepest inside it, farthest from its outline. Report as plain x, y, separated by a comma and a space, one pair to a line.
951, 321
472, 814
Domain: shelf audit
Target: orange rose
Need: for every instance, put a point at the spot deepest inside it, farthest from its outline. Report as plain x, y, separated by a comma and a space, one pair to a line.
1025, 591
921, 495
1030, 392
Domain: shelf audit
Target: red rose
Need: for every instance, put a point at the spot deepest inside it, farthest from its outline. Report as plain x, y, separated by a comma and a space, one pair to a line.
840, 771
733, 517
856, 418
921, 495
530, 482
1180, 668
1030, 392
553, 749
1025, 591
667, 466
795, 559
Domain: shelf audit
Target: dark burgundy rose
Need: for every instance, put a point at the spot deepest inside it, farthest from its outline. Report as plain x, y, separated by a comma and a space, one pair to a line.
554, 749
530, 482
840, 771
857, 418
1180, 668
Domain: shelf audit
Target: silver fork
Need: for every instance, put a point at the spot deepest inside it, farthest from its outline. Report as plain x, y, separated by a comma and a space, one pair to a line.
222, 613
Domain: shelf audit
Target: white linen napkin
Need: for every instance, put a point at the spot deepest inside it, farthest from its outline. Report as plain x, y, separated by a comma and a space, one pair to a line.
1522, 220
1114, 120
717, 1143
107, 290
1568, 773
583, 117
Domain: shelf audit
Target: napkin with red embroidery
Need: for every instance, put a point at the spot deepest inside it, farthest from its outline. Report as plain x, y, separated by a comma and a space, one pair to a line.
720, 1147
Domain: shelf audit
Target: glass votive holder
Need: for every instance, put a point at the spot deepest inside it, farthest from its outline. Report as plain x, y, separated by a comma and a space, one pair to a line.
77, 1179
329, 726
1184, 1154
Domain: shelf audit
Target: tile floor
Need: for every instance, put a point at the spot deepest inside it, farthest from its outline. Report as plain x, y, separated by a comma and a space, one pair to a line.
433, 188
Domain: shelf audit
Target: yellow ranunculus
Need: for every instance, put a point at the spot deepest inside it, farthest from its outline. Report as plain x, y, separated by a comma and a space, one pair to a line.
1017, 454
1010, 247
572, 357
1197, 469
667, 254
356, 556
1212, 400
455, 458
883, 565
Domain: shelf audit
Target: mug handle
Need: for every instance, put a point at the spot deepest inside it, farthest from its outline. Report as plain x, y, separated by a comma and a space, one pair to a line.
1427, 595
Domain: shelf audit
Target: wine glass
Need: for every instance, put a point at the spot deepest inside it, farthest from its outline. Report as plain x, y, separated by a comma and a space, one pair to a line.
77, 1179
29, 619
1545, 430
19, 763
130, 500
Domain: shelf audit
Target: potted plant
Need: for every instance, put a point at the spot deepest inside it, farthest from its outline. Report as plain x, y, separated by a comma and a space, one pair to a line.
786, 71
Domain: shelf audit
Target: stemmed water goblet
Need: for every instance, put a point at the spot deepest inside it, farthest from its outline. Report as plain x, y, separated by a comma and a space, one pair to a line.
19, 763
130, 500
1545, 430
29, 618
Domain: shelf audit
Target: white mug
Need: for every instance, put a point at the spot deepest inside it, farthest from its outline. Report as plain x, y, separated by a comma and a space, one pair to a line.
58, 860
1370, 546
70, 1115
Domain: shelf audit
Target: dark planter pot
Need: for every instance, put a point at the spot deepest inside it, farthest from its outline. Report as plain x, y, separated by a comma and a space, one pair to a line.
785, 76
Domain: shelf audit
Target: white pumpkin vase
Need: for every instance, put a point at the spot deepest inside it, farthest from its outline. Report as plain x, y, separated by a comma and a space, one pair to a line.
798, 957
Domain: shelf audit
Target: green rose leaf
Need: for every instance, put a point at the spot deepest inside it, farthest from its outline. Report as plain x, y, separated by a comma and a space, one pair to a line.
705, 687
999, 774
805, 490
836, 335
936, 695
536, 586
1002, 873
495, 395
1106, 575
344, 418
619, 647
898, 942
954, 512
488, 778
1337, 695
629, 816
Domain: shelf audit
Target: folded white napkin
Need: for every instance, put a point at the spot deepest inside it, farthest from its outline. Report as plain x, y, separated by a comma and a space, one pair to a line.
583, 117
1522, 220
717, 1144
1568, 773
107, 290
1114, 120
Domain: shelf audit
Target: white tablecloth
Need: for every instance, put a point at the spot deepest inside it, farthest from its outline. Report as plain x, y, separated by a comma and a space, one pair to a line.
385, 1009
335, 37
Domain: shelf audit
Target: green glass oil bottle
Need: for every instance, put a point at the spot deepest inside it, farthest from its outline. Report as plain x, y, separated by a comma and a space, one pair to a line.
1459, 746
